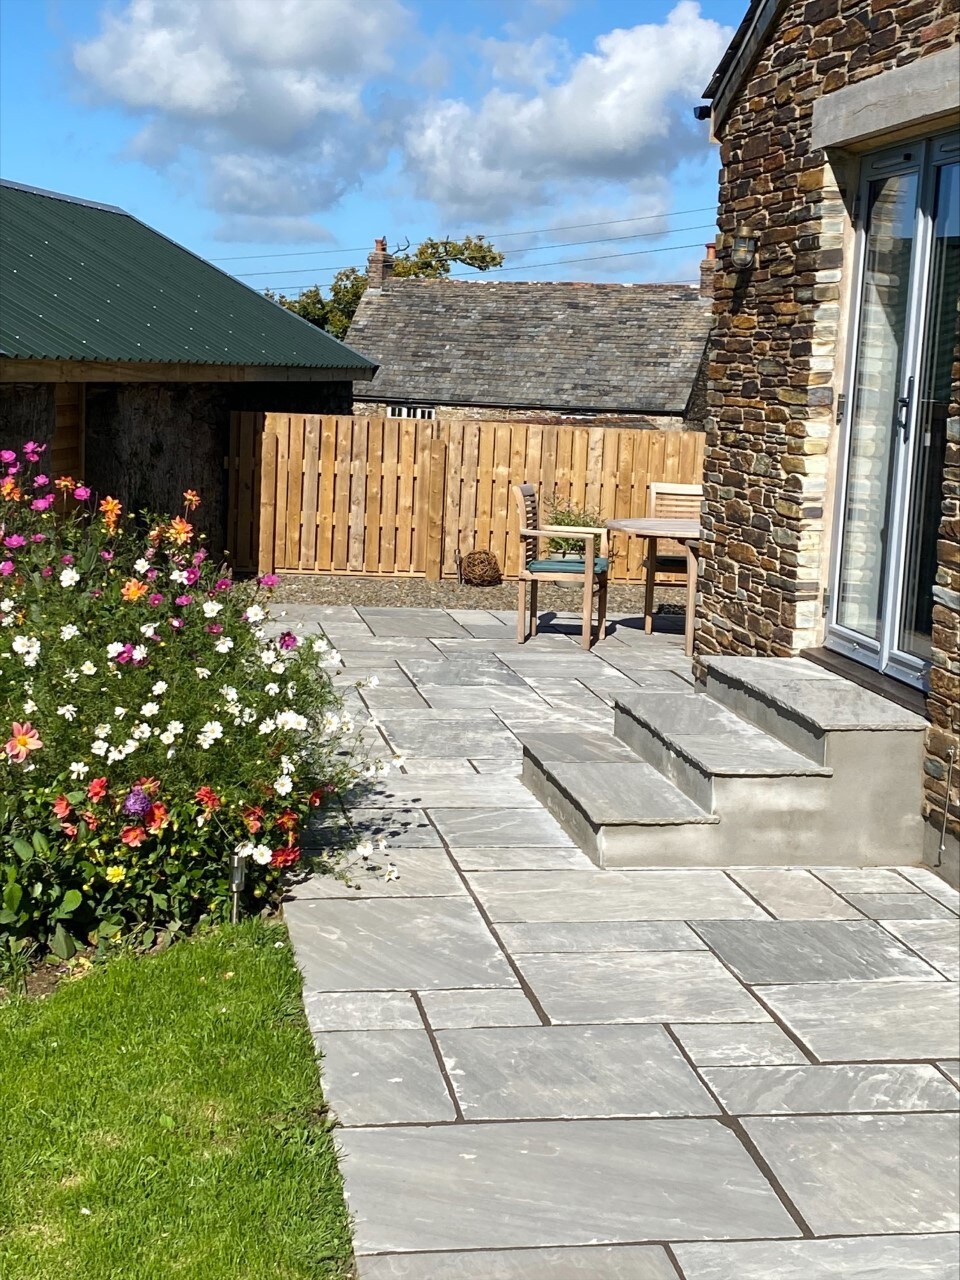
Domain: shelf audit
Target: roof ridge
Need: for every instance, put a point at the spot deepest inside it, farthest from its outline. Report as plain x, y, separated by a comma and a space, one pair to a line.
62, 195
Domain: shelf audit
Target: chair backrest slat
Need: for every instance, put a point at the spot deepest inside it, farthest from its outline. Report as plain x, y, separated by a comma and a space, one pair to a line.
673, 502
526, 496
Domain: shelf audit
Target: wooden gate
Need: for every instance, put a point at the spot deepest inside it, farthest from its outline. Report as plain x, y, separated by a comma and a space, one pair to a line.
401, 495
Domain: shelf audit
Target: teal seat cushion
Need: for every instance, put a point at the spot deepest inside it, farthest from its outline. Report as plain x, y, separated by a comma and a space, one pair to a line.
571, 564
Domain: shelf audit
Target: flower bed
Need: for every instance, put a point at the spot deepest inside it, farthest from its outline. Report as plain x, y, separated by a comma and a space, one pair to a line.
152, 727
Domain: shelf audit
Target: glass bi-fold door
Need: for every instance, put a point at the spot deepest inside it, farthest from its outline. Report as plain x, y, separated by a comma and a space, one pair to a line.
903, 335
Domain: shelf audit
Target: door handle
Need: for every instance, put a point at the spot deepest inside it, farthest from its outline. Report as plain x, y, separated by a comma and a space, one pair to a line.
903, 410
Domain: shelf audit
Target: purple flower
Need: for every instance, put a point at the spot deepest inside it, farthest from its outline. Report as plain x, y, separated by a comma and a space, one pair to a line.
192, 576
151, 575
81, 493
106, 555
136, 804
223, 584
214, 628
6, 568
46, 571
41, 482
38, 537
288, 640
155, 600
7, 455
177, 623
200, 556
183, 600
268, 580
68, 559
43, 504
14, 540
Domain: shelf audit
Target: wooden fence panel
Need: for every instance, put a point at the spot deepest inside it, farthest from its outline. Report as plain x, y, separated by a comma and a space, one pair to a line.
403, 496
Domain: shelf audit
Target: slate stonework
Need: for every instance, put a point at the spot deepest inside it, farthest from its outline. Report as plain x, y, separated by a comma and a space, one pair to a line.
776, 349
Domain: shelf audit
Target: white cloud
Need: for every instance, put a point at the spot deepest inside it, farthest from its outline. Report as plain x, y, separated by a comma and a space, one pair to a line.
266, 98
618, 113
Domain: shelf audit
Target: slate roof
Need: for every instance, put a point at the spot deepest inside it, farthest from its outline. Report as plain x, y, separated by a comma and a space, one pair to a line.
84, 281
612, 348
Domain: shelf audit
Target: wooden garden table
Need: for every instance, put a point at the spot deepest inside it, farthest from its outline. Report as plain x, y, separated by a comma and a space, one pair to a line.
686, 532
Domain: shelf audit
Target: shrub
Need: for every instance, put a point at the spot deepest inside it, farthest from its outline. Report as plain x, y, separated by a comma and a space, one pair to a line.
151, 727
567, 515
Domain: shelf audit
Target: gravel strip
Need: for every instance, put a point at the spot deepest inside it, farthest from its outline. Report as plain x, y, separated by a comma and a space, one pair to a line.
418, 593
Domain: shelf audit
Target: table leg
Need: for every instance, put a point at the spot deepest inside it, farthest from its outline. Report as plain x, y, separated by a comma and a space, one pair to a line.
650, 574
693, 557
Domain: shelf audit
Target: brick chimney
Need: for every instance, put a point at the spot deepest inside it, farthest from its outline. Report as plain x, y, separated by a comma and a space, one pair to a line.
379, 265
707, 268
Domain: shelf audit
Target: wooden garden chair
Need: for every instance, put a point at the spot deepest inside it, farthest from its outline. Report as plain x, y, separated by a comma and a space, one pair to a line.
667, 502
590, 569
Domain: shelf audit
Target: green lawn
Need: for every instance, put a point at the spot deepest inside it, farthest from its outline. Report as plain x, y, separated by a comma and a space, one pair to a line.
161, 1117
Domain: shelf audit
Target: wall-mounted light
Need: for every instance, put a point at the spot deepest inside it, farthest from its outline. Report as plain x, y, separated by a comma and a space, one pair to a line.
744, 249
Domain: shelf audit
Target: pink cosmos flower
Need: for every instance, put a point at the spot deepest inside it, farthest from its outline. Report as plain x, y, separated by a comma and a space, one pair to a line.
81, 493
183, 600
6, 568
192, 576
151, 575
125, 654
12, 470
288, 640
214, 628
7, 455
106, 555
38, 537
14, 540
43, 504
155, 600
268, 580
200, 556
46, 571
31, 446
67, 559
41, 482
177, 623
223, 584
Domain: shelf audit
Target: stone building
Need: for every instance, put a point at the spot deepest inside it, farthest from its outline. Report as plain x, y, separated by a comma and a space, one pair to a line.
127, 353
832, 470
616, 354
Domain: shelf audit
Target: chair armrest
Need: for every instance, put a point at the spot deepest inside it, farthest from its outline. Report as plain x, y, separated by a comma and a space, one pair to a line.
578, 531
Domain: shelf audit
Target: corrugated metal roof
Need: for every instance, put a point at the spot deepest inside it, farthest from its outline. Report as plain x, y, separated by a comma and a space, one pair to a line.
567, 346
84, 281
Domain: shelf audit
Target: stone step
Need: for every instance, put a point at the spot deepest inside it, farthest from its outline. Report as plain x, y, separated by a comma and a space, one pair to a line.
711, 754
620, 811
814, 711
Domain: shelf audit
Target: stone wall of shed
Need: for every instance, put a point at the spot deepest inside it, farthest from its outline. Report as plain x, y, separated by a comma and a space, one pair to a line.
776, 352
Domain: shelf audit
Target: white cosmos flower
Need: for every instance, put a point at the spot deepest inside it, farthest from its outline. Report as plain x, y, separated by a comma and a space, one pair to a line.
119, 712
178, 575
229, 692
149, 709
321, 644
391, 872
167, 738
254, 614
266, 726
88, 668
103, 730
209, 734
140, 731
224, 645
114, 649
70, 676
69, 711
291, 720
202, 673
283, 785
364, 849
211, 608
69, 631
149, 629
29, 707
69, 577
139, 652
79, 770
160, 687
373, 682
141, 565
272, 688
279, 668
99, 747
175, 727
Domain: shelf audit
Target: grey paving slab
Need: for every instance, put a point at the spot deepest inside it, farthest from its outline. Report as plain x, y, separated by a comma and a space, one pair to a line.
791, 1090
518, 1073
638, 986
490, 764
361, 1011
588, 895
861, 1174
472, 670
912, 1257
436, 768
418, 872
622, 794
496, 1007
937, 941
901, 906
459, 791
524, 1184
951, 1069
763, 951
400, 944
383, 1077
400, 828
539, 858
397, 623
737, 1044
864, 880
931, 883
449, 734
383, 701
601, 935
792, 893
620, 1262
894, 1020
484, 828
468, 698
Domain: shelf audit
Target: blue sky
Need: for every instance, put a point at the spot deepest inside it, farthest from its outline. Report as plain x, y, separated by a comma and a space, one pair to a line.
279, 137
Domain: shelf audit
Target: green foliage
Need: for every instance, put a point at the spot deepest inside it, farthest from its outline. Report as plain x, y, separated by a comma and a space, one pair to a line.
565, 514
163, 1117
430, 260
150, 726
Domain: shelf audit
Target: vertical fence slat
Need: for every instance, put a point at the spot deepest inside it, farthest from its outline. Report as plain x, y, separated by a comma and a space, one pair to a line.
311, 484
268, 502
297, 427
281, 428
358, 495
391, 479
341, 489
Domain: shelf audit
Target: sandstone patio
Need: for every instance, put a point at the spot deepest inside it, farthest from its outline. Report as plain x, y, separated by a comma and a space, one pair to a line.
544, 1070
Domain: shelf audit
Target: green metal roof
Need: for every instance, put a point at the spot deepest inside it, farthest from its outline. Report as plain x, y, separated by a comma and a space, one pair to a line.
83, 281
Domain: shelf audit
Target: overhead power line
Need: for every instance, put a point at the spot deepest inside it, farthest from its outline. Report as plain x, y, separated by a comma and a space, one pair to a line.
567, 244
495, 235
536, 266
